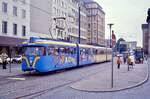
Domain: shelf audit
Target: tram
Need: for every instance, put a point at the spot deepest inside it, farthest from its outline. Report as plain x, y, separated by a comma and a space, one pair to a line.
139, 55
49, 55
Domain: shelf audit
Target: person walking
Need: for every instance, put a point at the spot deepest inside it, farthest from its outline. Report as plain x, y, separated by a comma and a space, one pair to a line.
124, 59
4, 60
118, 62
130, 61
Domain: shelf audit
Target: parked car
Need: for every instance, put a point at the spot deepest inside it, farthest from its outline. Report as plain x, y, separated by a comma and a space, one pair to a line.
17, 59
9, 60
0, 61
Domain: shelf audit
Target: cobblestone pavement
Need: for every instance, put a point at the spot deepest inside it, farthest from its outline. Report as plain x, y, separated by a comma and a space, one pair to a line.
57, 86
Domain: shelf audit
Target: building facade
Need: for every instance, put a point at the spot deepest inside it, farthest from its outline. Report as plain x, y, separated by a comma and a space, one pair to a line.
145, 38
132, 45
96, 23
148, 21
14, 24
58, 19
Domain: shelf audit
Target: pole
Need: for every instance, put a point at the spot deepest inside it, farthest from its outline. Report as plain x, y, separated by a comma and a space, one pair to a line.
97, 27
91, 28
110, 26
10, 60
79, 25
112, 69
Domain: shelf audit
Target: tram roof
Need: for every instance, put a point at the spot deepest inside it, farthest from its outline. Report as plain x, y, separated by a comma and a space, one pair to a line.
57, 43
44, 42
90, 46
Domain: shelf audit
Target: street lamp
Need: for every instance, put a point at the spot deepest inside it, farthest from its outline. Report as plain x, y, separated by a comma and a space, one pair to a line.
112, 69
79, 25
110, 26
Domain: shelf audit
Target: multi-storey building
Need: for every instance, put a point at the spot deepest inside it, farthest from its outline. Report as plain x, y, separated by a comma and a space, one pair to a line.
148, 21
96, 23
132, 45
145, 38
14, 23
74, 21
58, 19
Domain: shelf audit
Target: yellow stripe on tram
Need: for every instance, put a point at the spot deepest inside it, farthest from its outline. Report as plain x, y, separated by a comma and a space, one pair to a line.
35, 61
26, 59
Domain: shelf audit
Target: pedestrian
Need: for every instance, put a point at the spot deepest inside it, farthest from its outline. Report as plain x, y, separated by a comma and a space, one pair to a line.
130, 61
124, 59
146, 57
118, 62
4, 60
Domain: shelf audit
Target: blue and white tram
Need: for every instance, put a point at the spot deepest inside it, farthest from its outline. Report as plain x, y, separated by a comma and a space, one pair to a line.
48, 55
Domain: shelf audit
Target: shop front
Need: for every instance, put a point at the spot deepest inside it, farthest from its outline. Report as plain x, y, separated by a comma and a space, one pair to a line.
10, 45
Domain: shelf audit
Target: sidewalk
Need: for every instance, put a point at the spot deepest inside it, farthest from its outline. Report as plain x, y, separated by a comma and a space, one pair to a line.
123, 79
15, 70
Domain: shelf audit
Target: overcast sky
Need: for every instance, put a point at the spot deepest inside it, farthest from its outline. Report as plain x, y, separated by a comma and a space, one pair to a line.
127, 15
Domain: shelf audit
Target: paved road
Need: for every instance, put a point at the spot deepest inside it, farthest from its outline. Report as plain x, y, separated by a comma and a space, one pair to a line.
141, 92
57, 86
35, 85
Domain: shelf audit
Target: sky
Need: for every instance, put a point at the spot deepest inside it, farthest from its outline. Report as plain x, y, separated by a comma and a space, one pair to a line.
127, 16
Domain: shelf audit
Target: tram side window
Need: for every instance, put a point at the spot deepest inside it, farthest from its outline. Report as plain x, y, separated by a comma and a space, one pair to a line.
82, 51
50, 50
66, 51
94, 51
87, 51
99, 52
62, 50
56, 51
44, 51
102, 52
40, 51
36, 51
72, 50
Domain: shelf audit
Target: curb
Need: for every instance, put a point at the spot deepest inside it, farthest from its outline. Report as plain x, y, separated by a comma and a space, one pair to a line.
121, 89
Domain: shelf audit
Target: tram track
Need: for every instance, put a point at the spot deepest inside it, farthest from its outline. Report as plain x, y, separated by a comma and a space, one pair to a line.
39, 93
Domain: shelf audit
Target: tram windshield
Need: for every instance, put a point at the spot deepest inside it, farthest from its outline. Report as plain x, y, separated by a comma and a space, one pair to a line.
139, 54
35, 51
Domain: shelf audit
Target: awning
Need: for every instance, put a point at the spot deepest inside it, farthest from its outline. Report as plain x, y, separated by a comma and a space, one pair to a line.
9, 41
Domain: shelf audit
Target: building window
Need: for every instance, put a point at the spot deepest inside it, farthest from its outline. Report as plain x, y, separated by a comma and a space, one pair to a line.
23, 30
15, 29
15, 0
89, 25
24, 1
4, 7
23, 13
4, 27
15, 11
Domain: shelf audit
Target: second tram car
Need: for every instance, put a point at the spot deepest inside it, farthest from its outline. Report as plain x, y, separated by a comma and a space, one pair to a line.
49, 55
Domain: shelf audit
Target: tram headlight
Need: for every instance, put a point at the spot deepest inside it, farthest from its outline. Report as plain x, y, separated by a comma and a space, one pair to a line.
31, 61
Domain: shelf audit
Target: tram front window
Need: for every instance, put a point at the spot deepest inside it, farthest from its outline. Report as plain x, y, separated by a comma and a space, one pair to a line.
34, 51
